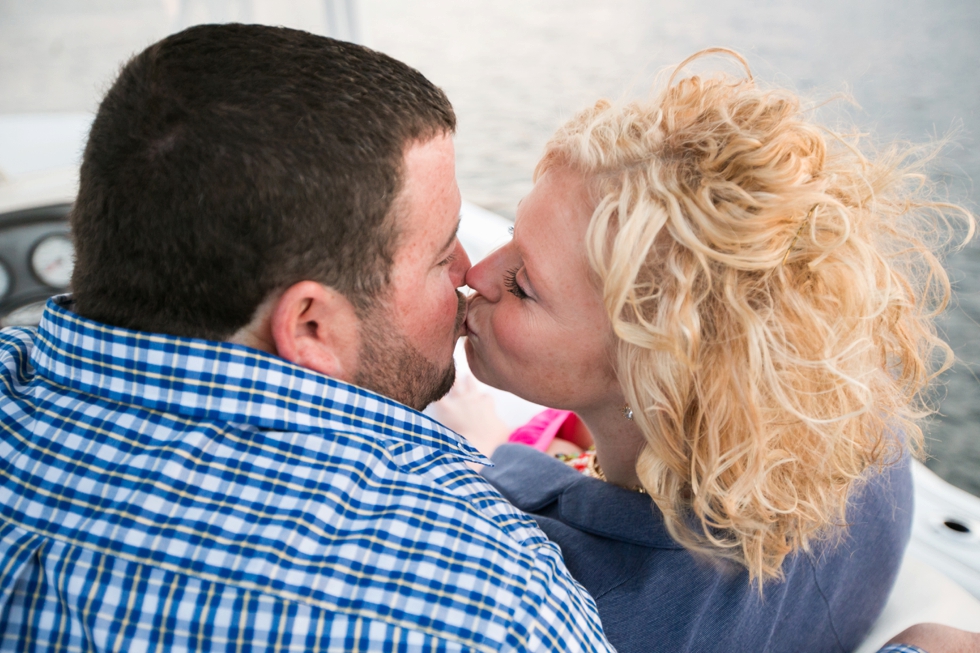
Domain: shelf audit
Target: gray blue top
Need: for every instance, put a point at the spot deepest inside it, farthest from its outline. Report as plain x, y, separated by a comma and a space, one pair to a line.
655, 596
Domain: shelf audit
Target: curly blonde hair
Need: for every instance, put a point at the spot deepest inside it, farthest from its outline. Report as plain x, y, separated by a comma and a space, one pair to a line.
773, 285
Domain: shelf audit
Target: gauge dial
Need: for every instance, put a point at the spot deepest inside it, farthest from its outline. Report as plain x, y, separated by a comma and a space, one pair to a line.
4, 282
53, 259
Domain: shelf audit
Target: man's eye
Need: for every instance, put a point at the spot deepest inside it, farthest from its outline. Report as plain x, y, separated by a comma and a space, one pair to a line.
449, 259
510, 282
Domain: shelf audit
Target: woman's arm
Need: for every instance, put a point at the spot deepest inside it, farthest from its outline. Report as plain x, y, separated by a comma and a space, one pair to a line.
933, 638
471, 412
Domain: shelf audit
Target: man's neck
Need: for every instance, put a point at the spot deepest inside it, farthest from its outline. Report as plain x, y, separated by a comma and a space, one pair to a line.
257, 334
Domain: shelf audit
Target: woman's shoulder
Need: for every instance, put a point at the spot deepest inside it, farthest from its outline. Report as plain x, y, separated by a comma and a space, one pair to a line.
544, 486
615, 543
527, 477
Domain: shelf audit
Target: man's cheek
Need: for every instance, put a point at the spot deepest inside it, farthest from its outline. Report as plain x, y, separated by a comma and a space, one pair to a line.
434, 324
449, 308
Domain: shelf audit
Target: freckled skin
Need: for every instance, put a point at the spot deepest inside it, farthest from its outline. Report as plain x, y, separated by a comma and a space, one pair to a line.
555, 348
407, 345
424, 300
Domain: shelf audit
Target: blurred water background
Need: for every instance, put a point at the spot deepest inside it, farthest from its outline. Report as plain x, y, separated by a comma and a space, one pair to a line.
515, 70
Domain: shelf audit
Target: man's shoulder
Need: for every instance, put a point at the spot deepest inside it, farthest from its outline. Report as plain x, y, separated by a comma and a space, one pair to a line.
344, 520
468, 490
16, 374
180, 457
16, 345
142, 602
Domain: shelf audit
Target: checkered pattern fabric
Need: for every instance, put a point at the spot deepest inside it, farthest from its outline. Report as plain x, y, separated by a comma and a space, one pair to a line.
162, 493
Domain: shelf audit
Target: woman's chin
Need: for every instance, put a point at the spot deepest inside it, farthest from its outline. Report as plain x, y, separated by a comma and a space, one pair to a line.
472, 359
475, 363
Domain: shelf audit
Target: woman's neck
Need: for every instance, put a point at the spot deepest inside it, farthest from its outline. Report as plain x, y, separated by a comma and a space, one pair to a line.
618, 443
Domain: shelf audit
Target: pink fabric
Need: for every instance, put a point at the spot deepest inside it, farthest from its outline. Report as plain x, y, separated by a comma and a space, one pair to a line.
545, 427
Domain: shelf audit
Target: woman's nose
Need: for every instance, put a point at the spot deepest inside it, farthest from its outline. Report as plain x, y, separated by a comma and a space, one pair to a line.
485, 277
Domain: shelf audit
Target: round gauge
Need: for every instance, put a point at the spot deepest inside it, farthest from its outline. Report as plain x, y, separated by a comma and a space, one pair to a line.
53, 259
4, 282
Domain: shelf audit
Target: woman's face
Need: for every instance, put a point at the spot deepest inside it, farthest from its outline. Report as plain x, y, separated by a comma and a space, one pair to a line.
536, 324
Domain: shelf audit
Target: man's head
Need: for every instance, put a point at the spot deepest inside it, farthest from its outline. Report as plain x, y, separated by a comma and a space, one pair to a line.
233, 168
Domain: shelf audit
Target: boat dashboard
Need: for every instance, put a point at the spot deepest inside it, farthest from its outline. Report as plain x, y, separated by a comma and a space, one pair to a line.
36, 260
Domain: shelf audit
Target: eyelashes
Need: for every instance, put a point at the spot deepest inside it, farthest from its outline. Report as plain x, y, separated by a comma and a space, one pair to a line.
510, 282
510, 277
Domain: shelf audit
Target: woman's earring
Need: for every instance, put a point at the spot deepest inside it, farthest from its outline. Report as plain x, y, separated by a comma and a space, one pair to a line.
627, 412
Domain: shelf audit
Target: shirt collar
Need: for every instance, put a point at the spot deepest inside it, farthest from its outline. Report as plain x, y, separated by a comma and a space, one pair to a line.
219, 381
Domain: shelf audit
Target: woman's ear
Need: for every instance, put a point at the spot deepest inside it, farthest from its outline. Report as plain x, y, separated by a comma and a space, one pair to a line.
316, 327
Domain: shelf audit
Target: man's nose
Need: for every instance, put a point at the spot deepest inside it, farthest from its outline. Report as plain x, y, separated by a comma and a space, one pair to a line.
461, 266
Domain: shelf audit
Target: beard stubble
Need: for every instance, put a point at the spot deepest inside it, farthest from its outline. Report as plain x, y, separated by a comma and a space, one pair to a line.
391, 366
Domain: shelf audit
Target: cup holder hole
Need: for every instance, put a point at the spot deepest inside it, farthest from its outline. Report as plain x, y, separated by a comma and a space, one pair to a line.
956, 526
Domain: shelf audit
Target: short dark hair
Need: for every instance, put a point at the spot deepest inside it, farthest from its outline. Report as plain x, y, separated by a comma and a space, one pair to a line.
230, 161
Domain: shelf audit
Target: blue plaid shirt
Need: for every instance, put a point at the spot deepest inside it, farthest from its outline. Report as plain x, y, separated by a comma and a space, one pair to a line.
163, 493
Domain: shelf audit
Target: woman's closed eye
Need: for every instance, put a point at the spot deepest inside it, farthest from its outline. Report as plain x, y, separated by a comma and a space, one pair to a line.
513, 287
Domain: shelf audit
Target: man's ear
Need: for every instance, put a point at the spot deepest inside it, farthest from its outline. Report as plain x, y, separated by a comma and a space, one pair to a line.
316, 327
